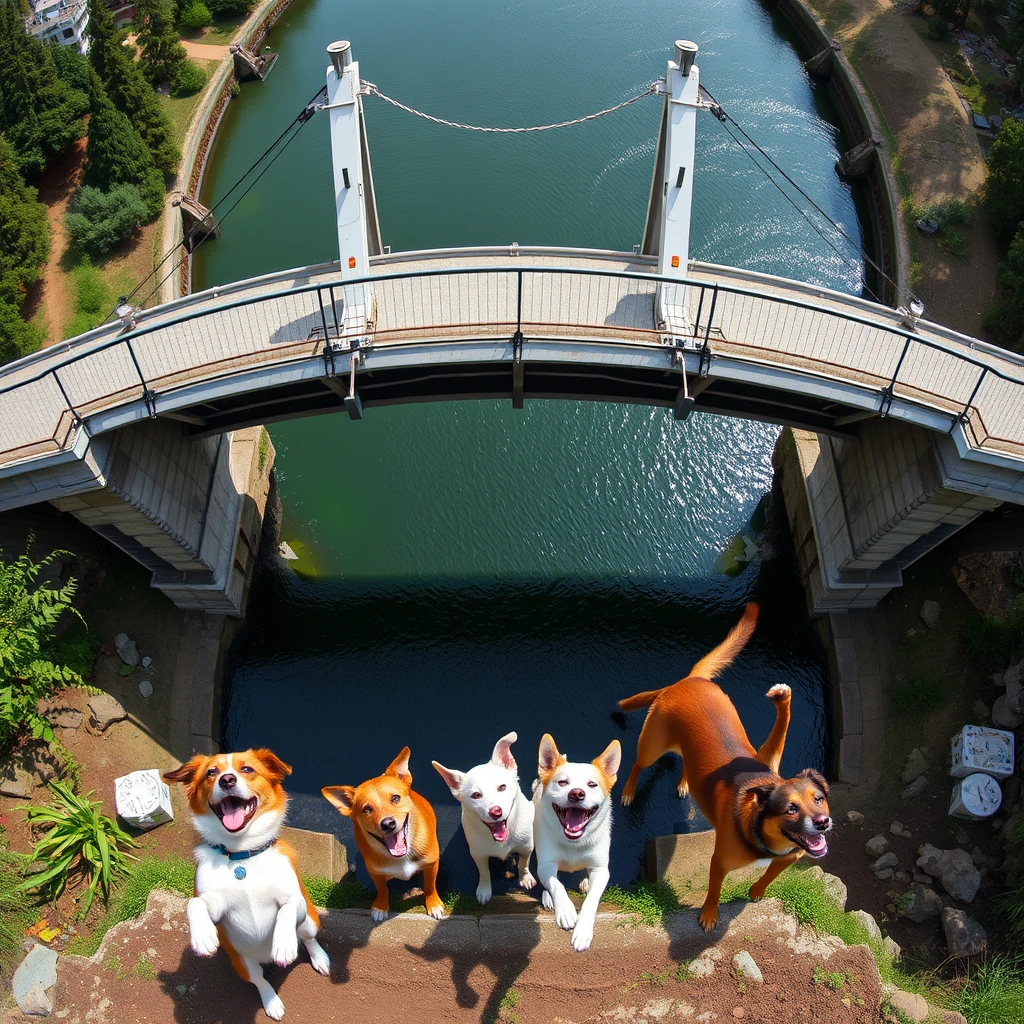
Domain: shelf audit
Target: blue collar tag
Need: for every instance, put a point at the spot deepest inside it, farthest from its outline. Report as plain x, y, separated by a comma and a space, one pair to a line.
239, 872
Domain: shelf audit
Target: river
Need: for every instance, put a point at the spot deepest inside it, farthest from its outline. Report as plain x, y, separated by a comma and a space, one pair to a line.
465, 569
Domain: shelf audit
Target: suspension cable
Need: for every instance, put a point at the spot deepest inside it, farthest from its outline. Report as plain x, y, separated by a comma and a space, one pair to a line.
371, 90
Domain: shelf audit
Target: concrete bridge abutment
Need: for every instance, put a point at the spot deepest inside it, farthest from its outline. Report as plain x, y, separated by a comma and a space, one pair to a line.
861, 511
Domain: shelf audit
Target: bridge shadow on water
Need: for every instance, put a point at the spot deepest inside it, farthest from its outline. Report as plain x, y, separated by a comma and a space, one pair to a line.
337, 675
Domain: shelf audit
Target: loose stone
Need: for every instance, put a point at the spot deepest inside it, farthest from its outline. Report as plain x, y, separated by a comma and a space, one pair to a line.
854, 818
746, 967
964, 936
915, 789
924, 903
876, 846
930, 614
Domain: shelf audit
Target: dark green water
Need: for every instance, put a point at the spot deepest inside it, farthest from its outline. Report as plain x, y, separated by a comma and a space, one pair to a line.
468, 569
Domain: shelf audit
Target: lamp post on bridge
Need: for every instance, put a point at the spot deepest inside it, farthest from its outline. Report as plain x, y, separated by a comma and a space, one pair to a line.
358, 228
667, 233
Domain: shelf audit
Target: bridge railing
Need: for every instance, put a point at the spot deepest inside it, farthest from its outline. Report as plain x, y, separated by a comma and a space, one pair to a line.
47, 402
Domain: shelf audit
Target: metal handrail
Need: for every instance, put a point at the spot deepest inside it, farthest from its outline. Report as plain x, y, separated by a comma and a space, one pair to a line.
191, 309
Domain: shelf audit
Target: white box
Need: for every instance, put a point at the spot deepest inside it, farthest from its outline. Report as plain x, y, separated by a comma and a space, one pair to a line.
977, 796
976, 748
143, 799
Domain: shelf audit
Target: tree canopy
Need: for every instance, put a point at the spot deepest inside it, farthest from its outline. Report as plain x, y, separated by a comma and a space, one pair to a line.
1005, 184
160, 51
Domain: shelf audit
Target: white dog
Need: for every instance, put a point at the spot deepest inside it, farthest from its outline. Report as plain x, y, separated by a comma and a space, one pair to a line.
496, 817
572, 831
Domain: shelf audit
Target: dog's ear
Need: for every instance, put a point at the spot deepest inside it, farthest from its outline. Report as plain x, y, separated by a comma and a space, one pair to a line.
608, 761
816, 777
453, 780
187, 773
548, 758
761, 792
341, 797
275, 768
399, 768
502, 753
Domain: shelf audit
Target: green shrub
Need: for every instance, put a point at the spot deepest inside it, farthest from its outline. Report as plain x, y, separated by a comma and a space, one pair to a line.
953, 243
938, 28
227, 8
174, 874
650, 901
992, 993
79, 841
195, 17
29, 611
188, 79
993, 642
100, 220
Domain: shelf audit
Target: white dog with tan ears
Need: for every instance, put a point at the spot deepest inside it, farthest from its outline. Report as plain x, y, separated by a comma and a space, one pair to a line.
572, 831
496, 817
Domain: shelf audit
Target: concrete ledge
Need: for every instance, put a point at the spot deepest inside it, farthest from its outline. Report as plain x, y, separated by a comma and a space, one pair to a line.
320, 853
684, 860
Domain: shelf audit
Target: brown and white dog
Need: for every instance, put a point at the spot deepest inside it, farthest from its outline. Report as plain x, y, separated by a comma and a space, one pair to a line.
758, 817
248, 894
396, 832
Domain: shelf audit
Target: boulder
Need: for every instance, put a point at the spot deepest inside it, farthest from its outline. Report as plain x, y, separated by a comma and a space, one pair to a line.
951, 1017
104, 710
744, 965
876, 846
126, 649
887, 860
916, 764
65, 718
956, 869
892, 947
928, 858
1002, 715
34, 979
964, 936
910, 1004
930, 614
870, 924
14, 780
854, 818
915, 789
986, 577
834, 885
924, 904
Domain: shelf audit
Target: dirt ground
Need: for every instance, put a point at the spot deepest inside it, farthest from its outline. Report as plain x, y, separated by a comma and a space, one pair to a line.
938, 148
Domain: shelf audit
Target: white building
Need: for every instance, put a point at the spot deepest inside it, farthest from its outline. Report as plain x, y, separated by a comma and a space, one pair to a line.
61, 20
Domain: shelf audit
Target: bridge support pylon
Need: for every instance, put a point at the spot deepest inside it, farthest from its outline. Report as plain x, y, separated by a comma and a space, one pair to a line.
667, 231
358, 229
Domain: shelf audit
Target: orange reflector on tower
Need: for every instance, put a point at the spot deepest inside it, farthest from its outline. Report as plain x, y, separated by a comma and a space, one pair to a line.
352, 263
675, 261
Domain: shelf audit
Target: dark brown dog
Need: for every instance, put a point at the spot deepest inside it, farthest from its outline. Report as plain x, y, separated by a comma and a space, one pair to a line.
757, 815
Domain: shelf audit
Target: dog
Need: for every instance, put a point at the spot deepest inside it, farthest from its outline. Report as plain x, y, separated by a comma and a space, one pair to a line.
572, 831
396, 832
759, 818
496, 817
249, 897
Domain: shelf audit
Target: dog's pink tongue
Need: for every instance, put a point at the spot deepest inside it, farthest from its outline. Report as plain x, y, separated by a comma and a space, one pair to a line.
396, 843
499, 831
575, 819
234, 816
815, 845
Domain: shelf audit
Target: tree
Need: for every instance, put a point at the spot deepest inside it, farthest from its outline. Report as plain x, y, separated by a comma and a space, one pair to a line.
160, 52
1004, 186
17, 337
1006, 319
99, 220
40, 113
71, 65
194, 17
117, 154
229, 8
954, 11
24, 230
188, 79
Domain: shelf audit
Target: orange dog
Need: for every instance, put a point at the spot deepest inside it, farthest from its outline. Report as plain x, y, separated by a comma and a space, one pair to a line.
758, 817
396, 832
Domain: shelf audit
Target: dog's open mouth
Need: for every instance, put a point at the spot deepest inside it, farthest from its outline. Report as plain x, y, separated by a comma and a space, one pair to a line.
499, 829
397, 842
235, 812
574, 820
813, 847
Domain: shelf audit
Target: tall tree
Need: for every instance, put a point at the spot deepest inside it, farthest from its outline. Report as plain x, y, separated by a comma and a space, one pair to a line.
40, 113
24, 230
160, 51
1004, 186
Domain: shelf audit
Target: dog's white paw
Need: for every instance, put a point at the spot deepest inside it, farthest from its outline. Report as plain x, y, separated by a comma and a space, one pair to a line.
582, 936
318, 958
545, 900
379, 915
565, 914
780, 691
585, 886
483, 894
437, 912
284, 950
274, 1008
204, 938
528, 881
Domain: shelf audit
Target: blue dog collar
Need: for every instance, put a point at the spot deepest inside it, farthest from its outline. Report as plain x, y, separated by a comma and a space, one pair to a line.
240, 855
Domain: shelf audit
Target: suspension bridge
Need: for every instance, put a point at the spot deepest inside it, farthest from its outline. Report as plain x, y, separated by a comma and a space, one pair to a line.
919, 429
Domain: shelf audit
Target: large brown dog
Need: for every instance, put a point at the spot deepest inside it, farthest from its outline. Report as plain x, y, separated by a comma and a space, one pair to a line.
396, 832
757, 815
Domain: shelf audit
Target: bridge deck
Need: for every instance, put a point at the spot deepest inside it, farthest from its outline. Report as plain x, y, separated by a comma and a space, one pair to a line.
575, 307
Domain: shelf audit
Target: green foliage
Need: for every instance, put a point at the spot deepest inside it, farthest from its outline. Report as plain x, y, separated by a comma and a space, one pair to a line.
76, 648
40, 114
29, 610
79, 841
920, 693
15, 910
160, 53
72, 66
264, 448
955, 11
336, 895
17, 336
1004, 187
834, 980
188, 79
94, 299
1006, 320
991, 641
650, 901
174, 874
100, 220
24, 231
938, 28
992, 993
195, 17
227, 8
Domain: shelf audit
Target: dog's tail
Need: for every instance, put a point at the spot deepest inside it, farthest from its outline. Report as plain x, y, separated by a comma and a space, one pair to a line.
639, 700
713, 664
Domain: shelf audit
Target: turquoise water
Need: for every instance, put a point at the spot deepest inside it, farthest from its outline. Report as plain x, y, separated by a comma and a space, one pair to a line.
466, 569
